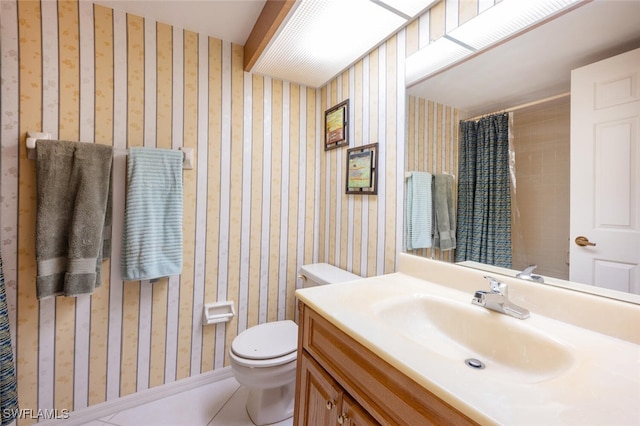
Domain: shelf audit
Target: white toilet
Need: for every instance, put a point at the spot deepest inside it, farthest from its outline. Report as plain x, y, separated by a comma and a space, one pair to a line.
263, 358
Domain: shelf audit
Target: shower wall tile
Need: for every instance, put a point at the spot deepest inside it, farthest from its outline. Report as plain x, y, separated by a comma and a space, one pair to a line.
541, 232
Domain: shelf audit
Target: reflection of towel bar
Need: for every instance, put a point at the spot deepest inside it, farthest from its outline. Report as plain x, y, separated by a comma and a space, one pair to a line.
32, 137
407, 175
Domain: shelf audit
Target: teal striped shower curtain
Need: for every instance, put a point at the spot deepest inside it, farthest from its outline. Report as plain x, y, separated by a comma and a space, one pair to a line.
484, 193
8, 388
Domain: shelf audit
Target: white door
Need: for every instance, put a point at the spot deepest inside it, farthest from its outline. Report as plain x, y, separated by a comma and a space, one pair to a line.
605, 176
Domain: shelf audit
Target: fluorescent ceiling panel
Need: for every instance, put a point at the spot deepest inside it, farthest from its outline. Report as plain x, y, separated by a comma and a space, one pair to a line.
433, 57
504, 19
323, 37
409, 7
496, 23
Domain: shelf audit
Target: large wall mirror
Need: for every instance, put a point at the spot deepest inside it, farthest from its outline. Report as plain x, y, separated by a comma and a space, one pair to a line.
530, 76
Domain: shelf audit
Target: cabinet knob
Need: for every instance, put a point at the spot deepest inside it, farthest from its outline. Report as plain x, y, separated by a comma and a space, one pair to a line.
342, 419
330, 404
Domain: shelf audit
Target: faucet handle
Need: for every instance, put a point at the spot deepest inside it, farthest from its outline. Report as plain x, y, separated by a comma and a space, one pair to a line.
496, 286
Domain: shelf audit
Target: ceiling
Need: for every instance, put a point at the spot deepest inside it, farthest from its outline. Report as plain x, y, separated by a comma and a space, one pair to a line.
321, 38
529, 67
538, 63
229, 20
311, 43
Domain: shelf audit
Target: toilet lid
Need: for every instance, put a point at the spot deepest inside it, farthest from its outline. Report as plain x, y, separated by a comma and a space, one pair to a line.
266, 341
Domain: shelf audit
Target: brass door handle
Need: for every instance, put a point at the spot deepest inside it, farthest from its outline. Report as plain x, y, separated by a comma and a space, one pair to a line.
584, 241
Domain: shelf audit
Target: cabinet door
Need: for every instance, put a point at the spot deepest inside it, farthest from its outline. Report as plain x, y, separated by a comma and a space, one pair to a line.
320, 395
352, 414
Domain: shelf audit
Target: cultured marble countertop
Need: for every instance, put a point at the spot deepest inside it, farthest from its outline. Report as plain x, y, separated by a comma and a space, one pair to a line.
600, 386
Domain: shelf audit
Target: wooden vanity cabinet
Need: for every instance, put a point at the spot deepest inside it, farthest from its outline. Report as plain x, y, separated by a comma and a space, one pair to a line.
324, 402
341, 382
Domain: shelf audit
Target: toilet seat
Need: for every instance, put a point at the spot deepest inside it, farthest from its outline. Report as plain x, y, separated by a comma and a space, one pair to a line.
266, 345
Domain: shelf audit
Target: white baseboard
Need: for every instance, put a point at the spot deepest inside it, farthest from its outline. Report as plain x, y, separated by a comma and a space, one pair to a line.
98, 411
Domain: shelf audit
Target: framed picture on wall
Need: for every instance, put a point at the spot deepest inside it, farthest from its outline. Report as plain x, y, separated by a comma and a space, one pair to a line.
362, 170
336, 126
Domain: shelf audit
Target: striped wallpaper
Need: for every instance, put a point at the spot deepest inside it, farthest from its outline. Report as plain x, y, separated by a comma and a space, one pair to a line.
263, 198
362, 233
432, 146
85, 72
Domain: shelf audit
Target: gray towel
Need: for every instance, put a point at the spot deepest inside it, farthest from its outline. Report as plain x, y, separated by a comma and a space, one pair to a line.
73, 182
444, 228
106, 232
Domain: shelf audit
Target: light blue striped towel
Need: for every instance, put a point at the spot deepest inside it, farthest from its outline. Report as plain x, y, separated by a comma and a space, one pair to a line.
152, 235
418, 211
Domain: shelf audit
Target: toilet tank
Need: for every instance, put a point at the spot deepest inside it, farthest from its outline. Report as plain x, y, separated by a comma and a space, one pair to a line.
322, 273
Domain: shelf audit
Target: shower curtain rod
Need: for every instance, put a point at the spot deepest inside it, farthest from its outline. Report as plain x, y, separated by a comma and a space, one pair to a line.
517, 107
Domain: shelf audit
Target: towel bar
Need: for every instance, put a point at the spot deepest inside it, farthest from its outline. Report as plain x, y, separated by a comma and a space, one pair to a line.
407, 175
32, 137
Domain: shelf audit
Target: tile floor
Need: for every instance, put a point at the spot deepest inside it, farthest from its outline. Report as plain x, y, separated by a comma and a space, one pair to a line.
218, 404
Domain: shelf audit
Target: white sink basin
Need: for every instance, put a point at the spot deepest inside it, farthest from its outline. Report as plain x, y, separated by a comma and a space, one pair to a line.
509, 348
539, 371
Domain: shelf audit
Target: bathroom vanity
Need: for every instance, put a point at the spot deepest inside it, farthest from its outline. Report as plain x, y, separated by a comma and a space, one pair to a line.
340, 381
392, 349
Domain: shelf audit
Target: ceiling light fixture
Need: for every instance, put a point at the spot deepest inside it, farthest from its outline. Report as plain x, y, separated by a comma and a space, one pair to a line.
435, 56
408, 9
321, 38
503, 20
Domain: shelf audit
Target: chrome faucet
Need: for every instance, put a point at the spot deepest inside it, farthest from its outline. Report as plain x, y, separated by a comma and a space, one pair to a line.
498, 300
527, 274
